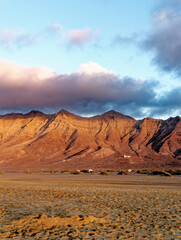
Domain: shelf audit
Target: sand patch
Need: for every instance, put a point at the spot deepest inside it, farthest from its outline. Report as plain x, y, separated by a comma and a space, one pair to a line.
38, 223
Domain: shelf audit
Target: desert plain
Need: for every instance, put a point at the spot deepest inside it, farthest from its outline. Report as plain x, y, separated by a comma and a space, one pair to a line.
89, 206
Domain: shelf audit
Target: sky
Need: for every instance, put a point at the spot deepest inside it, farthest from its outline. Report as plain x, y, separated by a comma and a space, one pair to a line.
89, 57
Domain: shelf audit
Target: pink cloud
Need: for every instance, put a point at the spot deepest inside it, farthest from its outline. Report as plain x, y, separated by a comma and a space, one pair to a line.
91, 89
16, 37
82, 36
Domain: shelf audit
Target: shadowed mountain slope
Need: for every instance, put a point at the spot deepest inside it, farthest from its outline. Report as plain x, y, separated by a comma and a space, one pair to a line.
37, 141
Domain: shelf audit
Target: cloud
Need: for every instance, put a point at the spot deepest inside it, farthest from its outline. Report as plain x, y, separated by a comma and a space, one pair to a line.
54, 28
169, 4
124, 40
18, 38
92, 89
79, 37
165, 39
10, 38
169, 104
172, 98
93, 68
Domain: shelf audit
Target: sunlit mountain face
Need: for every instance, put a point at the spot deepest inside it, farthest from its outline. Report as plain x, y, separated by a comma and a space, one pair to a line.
63, 140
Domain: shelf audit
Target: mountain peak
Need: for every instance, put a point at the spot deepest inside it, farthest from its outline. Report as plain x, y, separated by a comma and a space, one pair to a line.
114, 114
34, 112
64, 112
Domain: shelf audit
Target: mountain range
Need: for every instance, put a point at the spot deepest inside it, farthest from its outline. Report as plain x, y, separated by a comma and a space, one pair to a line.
37, 141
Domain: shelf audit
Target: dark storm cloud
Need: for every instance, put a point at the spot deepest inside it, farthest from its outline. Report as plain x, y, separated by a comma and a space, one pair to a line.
90, 90
93, 89
168, 104
172, 98
165, 38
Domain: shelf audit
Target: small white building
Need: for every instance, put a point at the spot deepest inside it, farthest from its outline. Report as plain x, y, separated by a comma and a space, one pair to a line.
126, 156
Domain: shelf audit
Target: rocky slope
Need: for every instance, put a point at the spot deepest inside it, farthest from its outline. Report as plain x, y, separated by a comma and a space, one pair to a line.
37, 141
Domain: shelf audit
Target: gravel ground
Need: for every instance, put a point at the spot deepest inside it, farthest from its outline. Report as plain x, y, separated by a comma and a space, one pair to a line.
89, 207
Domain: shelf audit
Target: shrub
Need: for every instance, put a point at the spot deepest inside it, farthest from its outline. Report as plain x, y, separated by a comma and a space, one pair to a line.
52, 171
177, 172
37, 172
76, 172
66, 171
104, 173
111, 170
28, 172
85, 171
123, 173
94, 171
162, 173
88, 171
144, 172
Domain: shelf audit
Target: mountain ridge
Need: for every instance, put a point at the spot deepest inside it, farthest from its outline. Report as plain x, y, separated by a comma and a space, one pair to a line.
63, 140
65, 112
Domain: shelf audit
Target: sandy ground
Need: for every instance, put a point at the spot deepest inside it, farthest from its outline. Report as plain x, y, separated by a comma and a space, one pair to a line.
64, 206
